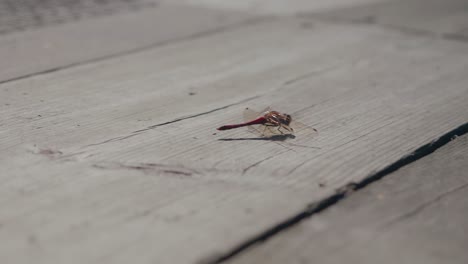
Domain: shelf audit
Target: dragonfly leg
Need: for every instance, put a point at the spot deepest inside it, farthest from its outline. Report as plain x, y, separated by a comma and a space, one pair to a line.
267, 126
289, 129
269, 129
279, 130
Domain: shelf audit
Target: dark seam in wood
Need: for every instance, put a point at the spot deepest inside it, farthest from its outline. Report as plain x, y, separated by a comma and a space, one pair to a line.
196, 115
244, 171
137, 132
455, 36
197, 35
427, 33
110, 140
147, 168
340, 194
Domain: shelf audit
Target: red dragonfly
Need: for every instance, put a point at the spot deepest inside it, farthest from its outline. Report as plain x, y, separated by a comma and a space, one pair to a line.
269, 123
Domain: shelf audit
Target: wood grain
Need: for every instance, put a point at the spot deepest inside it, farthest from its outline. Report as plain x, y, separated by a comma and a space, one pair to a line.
440, 18
276, 7
56, 47
116, 161
415, 215
29, 14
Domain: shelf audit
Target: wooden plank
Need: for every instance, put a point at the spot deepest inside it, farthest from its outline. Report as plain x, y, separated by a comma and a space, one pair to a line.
117, 161
414, 215
445, 18
277, 7
30, 14
55, 47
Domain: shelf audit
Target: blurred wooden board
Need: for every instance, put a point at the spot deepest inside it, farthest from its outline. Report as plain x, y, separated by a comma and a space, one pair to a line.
442, 18
55, 47
277, 7
116, 161
22, 15
417, 214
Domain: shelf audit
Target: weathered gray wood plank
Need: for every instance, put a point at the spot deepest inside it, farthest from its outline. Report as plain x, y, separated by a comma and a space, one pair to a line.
445, 18
54, 47
30, 14
417, 214
277, 7
115, 161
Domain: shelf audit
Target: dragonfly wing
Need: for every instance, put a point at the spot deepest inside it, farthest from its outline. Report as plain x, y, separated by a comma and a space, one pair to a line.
249, 115
299, 128
260, 130
302, 130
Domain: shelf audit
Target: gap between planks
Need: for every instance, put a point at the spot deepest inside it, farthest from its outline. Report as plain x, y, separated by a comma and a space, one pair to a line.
157, 44
309, 18
340, 194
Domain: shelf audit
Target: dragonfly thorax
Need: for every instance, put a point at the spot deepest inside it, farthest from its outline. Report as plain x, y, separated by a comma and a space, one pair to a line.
278, 118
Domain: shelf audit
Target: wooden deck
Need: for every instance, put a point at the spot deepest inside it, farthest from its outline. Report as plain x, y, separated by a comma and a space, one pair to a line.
109, 153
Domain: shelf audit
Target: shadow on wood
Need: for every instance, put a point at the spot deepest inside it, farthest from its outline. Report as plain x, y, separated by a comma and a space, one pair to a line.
272, 138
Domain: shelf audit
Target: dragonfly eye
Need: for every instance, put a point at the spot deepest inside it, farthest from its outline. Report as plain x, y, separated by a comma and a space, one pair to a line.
287, 119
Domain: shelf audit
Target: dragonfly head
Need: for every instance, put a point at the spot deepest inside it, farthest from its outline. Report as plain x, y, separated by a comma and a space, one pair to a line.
287, 119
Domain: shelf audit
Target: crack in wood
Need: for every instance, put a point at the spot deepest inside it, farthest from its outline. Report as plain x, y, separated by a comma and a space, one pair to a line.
456, 36
196, 115
207, 33
244, 171
137, 132
147, 168
111, 140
